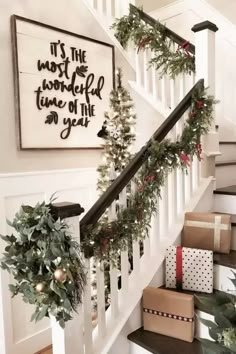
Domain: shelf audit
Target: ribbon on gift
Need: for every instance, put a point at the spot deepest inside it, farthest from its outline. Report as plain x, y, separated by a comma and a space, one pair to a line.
179, 268
217, 226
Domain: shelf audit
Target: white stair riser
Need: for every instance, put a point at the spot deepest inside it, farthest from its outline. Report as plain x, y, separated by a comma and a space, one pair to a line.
222, 276
225, 176
225, 204
201, 331
136, 349
228, 152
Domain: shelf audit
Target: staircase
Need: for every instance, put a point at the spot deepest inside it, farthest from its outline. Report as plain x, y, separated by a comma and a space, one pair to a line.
172, 98
143, 342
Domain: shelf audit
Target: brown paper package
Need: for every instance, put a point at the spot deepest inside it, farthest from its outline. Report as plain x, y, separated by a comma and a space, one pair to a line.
171, 313
203, 238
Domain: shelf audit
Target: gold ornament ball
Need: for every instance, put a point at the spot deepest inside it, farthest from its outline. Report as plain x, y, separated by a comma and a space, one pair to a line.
60, 275
40, 287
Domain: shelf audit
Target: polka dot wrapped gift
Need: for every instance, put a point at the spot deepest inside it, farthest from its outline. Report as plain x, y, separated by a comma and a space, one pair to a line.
189, 269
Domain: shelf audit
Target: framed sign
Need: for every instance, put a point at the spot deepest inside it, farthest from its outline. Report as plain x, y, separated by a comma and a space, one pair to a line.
62, 81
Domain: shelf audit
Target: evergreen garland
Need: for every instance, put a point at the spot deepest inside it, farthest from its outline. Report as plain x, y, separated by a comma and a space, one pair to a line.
165, 58
45, 263
117, 133
108, 239
223, 329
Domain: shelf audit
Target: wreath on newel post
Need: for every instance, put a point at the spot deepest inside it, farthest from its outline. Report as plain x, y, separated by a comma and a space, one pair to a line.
45, 262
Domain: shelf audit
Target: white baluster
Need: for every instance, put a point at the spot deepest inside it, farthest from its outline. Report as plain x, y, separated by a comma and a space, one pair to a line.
114, 292
155, 231
136, 257
135, 244
101, 300
163, 91
108, 10
154, 79
182, 87
172, 94
124, 7
180, 175
88, 341
113, 272
146, 71
147, 246
70, 339
195, 172
91, 2
164, 210
138, 70
188, 174
118, 13
172, 180
172, 196
125, 266
100, 6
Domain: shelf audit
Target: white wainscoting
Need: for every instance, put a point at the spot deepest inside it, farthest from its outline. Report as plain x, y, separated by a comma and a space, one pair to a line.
17, 334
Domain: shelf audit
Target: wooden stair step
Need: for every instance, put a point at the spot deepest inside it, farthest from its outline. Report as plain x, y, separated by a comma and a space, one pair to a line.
225, 163
227, 142
226, 260
230, 190
158, 344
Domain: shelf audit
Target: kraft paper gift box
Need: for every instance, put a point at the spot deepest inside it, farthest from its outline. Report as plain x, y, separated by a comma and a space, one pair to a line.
189, 269
169, 313
207, 231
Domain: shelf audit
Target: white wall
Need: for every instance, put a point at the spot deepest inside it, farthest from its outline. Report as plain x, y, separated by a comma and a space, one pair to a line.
70, 15
226, 8
150, 5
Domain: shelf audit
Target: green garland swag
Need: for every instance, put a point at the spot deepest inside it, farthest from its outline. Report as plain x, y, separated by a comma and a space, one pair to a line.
45, 263
170, 62
223, 329
108, 239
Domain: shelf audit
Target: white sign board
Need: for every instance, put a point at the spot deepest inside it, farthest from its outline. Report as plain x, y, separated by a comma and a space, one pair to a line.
63, 81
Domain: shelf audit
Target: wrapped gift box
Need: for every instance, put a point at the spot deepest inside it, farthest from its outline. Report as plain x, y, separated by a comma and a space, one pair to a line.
207, 231
189, 269
169, 313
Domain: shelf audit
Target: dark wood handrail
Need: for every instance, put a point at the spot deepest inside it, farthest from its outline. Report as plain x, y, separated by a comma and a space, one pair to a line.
172, 35
97, 210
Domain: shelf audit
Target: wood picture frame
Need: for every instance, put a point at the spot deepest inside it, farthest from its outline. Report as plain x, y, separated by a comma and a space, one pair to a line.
62, 86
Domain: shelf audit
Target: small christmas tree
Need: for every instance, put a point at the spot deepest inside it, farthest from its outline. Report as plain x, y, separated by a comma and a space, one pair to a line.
118, 134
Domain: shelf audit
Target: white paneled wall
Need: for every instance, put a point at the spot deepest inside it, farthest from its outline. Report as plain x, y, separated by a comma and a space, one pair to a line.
79, 186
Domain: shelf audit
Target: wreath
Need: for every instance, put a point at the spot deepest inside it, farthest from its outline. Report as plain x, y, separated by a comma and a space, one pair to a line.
45, 263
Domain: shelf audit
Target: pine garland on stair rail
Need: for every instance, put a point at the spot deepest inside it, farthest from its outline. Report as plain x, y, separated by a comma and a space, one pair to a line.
165, 58
108, 239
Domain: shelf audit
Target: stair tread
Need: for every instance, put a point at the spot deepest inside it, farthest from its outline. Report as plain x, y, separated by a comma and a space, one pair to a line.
226, 163
227, 142
226, 260
230, 190
159, 344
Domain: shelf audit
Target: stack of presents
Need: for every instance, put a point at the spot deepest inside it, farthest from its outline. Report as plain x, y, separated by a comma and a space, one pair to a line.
188, 267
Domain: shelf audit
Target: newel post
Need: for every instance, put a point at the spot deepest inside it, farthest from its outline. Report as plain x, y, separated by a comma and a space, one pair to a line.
69, 340
205, 69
